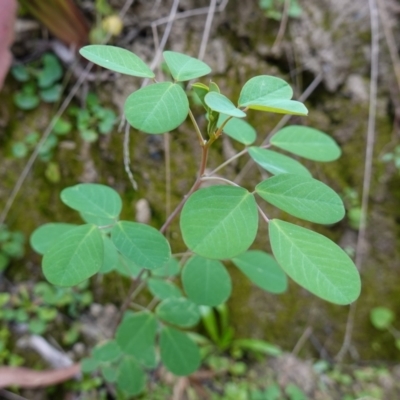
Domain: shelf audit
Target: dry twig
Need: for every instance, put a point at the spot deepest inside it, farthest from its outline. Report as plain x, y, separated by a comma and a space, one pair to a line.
360, 246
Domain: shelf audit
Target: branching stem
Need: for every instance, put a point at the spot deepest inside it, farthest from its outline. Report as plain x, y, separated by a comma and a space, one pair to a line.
137, 285
227, 162
196, 185
197, 129
218, 178
263, 215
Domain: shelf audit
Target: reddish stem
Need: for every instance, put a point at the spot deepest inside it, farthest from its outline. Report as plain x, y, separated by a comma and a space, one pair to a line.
195, 186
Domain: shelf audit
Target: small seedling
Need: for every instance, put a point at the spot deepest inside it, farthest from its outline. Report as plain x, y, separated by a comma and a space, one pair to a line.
218, 223
22, 148
40, 81
353, 206
274, 8
392, 157
93, 119
221, 333
12, 246
7, 356
39, 307
382, 318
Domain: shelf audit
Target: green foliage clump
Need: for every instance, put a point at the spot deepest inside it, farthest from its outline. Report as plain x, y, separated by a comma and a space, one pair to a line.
93, 119
90, 121
40, 82
39, 307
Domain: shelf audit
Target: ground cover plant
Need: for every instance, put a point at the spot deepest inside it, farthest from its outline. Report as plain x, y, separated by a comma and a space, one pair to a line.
40, 81
218, 223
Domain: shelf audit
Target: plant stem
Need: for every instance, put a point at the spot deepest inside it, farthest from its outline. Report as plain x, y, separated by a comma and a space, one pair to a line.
204, 157
152, 303
196, 185
197, 129
265, 218
180, 206
227, 162
136, 287
218, 178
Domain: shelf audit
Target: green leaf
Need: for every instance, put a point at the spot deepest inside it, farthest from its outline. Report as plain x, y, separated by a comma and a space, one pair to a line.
105, 223
89, 365
43, 238
179, 353
294, 392
157, 108
279, 106
107, 352
205, 281
37, 326
136, 336
75, 256
93, 200
13, 249
315, 262
382, 317
51, 72
20, 73
201, 90
185, 68
17, 236
131, 378
21, 315
209, 321
52, 172
117, 59
258, 346
26, 101
264, 86
47, 313
219, 102
19, 149
163, 289
303, 197
142, 244
32, 138
268, 93
4, 261
238, 129
171, 268
277, 163
262, 270
127, 267
214, 87
62, 127
89, 135
4, 298
51, 94
307, 142
219, 221
109, 373
178, 311
110, 260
